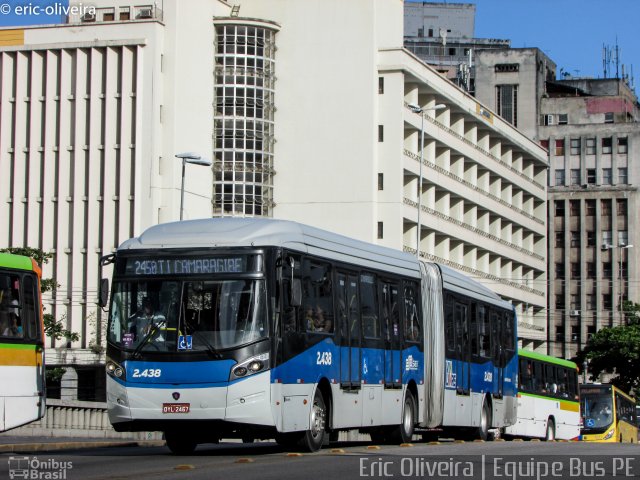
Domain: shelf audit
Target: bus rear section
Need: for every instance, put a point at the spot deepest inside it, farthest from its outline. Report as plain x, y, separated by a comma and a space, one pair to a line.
22, 385
548, 402
609, 414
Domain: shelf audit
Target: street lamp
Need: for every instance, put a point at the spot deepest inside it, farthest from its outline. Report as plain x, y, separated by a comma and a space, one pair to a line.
622, 247
418, 109
189, 157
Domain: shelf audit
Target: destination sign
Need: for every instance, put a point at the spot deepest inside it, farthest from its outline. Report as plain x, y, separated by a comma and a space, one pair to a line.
189, 265
594, 389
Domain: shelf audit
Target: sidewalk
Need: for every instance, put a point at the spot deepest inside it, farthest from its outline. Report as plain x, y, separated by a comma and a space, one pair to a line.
16, 444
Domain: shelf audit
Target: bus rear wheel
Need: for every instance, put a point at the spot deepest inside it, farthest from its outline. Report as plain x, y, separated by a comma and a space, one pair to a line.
179, 443
485, 422
313, 439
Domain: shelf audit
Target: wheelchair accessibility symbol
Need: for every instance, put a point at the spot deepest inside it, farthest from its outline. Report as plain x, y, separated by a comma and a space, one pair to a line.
185, 342
590, 422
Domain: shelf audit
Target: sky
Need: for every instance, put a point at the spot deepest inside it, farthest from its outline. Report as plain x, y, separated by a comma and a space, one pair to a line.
570, 32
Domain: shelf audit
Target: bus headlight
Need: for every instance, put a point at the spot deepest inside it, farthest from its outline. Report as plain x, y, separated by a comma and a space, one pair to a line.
114, 369
253, 365
609, 435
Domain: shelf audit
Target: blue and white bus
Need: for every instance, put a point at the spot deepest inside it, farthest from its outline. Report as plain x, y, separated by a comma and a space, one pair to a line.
258, 328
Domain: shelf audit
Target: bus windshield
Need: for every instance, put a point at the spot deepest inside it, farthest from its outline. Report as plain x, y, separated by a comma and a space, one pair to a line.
170, 316
597, 410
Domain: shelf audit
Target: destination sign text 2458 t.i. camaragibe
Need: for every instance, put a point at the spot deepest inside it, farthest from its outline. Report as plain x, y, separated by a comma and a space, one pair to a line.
185, 265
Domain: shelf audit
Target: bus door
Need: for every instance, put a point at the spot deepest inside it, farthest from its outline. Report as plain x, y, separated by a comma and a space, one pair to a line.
463, 348
349, 324
498, 354
392, 335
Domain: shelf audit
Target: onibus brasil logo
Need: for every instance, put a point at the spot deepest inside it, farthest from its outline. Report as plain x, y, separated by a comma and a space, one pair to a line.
33, 468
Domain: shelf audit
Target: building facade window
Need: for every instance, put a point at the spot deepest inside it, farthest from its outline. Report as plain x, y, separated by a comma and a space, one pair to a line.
591, 239
606, 176
381, 181
621, 207
622, 176
380, 85
607, 238
575, 176
559, 208
507, 103
575, 239
559, 147
563, 119
608, 117
575, 146
559, 176
590, 208
591, 176
574, 208
606, 208
243, 120
606, 145
622, 145
380, 230
591, 146
559, 240
380, 133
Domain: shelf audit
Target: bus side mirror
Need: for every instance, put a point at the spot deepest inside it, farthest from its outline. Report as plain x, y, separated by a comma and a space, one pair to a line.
296, 292
103, 299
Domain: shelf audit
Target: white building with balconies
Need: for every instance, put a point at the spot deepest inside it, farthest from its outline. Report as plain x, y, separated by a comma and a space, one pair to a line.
303, 107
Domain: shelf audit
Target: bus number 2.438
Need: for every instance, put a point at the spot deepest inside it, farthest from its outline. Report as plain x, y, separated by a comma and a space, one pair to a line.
147, 372
323, 358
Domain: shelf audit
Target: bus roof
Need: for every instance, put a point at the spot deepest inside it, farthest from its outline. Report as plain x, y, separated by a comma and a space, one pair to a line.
18, 262
263, 232
547, 358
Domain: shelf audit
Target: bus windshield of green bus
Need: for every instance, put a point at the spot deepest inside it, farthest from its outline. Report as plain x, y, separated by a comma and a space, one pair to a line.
597, 410
176, 316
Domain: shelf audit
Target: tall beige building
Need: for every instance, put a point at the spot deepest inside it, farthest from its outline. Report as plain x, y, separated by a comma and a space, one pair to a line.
300, 124
592, 132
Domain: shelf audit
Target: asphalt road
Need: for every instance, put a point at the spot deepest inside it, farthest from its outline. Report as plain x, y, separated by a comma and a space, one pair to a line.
490, 460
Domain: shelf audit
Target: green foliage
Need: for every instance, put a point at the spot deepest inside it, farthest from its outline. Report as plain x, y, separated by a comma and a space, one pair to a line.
55, 329
616, 350
52, 328
54, 375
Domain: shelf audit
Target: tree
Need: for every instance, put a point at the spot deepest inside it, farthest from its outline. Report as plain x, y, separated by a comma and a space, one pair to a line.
616, 350
53, 328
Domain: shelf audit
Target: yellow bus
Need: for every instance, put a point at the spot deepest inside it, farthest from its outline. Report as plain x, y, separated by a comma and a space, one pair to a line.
609, 414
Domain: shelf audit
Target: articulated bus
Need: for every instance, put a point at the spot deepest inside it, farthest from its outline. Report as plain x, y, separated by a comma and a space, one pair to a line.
22, 385
258, 328
548, 401
609, 414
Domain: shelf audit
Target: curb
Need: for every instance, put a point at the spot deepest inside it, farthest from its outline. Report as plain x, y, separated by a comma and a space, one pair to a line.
56, 446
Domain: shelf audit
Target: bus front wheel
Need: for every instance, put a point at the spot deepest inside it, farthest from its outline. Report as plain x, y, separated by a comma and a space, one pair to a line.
313, 438
180, 443
403, 433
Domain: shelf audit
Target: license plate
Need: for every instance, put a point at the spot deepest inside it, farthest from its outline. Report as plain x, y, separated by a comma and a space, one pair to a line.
175, 407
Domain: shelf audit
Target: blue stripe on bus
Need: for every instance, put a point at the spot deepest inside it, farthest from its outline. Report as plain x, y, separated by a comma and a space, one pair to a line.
140, 373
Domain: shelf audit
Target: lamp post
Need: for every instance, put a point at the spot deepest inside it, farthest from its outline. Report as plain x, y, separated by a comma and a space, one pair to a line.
622, 247
585, 364
189, 157
418, 109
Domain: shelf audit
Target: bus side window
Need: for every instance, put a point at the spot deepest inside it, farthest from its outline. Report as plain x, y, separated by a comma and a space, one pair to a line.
551, 385
525, 375
475, 350
30, 316
449, 327
369, 305
411, 317
484, 334
538, 377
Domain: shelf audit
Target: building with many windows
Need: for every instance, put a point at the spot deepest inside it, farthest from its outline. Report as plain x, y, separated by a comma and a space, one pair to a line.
592, 132
349, 132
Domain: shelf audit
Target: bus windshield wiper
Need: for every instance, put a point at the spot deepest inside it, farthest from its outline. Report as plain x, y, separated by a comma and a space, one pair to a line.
154, 328
203, 339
